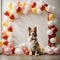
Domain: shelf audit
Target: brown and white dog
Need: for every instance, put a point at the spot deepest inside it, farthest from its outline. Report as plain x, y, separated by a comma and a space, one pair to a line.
33, 42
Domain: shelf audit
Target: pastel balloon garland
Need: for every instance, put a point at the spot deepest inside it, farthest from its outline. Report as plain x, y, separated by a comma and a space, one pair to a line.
20, 8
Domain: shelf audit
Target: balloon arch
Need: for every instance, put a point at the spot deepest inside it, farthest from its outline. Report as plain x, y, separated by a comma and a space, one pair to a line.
20, 8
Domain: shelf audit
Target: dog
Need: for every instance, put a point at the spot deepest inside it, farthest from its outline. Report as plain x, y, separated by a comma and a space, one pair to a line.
33, 42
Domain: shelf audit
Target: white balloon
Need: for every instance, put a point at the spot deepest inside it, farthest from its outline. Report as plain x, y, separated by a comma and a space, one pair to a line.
29, 2
49, 32
46, 48
27, 7
22, 45
18, 51
0, 50
50, 8
4, 28
25, 12
5, 18
39, 11
53, 40
51, 23
41, 2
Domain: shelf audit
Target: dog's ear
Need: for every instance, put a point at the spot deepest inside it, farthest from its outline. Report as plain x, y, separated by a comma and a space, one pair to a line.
35, 29
29, 29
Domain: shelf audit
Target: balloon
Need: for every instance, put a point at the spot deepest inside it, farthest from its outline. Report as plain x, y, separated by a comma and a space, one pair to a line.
18, 9
53, 48
10, 45
10, 39
7, 51
10, 6
10, 29
50, 27
1, 43
45, 5
5, 36
51, 16
57, 50
50, 51
18, 51
49, 32
39, 11
51, 23
4, 28
54, 29
27, 7
33, 5
41, 2
12, 17
42, 8
5, 42
5, 18
46, 48
34, 10
4, 23
27, 52
50, 8
53, 40
3, 47
23, 4
29, 2
25, 12
51, 36
0, 50
7, 13
13, 49
22, 45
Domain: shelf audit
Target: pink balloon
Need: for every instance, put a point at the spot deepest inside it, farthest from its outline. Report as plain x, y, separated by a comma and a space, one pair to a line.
3, 47
50, 51
10, 44
57, 50
7, 51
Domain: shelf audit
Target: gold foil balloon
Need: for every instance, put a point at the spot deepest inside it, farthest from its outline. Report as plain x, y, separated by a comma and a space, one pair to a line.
4, 23
1, 43
23, 4
51, 16
10, 8
34, 10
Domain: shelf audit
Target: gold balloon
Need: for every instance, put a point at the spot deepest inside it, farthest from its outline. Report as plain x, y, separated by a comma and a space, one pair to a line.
4, 23
34, 10
10, 8
57, 39
51, 16
23, 4
7, 33
42, 49
1, 43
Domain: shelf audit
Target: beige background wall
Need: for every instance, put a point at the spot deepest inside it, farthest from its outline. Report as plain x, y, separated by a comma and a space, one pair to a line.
21, 25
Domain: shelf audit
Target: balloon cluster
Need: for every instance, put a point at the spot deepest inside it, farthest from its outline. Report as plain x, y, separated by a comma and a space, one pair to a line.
22, 49
52, 50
